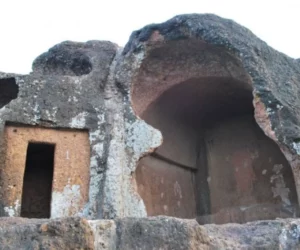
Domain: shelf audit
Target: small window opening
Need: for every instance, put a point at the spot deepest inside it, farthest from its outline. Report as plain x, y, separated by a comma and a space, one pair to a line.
37, 183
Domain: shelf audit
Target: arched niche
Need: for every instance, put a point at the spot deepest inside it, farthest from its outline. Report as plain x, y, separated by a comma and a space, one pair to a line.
215, 162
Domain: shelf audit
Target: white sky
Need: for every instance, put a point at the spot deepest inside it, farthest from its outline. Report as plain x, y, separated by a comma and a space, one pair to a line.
30, 27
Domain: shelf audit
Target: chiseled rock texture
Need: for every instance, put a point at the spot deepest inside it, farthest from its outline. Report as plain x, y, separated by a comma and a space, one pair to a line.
153, 233
91, 86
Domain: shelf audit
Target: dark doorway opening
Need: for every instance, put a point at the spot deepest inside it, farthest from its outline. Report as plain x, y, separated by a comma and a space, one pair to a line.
37, 182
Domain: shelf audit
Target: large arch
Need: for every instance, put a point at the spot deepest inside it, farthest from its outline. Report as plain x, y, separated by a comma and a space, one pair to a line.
215, 162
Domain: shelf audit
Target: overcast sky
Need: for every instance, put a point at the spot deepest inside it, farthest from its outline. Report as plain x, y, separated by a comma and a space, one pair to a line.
31, 27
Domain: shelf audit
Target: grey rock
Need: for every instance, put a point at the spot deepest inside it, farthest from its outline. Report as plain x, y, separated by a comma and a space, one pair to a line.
146, 233
68, 233
70, 58
160, 233
50, 97
104, 233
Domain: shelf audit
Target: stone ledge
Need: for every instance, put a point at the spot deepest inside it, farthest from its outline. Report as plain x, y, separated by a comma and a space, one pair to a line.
146, 233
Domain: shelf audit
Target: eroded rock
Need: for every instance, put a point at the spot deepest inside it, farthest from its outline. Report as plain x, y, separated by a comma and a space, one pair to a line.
195, 118
193, 76
69, 58
146, 233
160, 233
69, 233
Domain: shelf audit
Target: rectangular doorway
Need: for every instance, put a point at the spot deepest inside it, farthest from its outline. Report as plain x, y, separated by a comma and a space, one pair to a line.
37, 182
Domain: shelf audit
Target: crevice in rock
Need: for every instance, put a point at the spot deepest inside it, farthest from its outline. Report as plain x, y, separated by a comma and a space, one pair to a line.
8, 90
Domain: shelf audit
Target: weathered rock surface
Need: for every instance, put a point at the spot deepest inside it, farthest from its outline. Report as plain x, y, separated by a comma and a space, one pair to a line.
69, 233
72, 86
99, 87
160, 233
148, 233
161, 56
54, 97
273, 75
